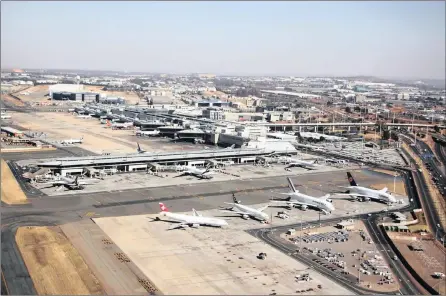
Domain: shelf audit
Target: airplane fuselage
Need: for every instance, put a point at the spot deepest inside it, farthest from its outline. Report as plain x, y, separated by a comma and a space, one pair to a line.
371, 193
320, 203
254, 213
187, 219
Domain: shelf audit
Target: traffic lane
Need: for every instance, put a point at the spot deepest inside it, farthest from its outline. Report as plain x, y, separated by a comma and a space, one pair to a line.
427, 203
406, 286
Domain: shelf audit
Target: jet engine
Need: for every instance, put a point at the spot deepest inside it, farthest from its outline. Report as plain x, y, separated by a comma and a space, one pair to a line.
246, 217
195, 225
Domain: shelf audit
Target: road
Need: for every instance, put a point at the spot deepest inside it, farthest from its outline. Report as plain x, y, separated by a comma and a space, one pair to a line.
423, 151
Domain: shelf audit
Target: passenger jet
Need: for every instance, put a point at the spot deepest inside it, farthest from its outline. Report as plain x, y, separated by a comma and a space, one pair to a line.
73, 141
247, 212
303, 164
196, 172
365, 194
295, 198
187, 221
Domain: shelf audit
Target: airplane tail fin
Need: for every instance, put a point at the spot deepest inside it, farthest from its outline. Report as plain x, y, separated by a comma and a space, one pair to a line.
234, 198
351, 180
325, 196
196, 213
163, 207
315, 161
291, 185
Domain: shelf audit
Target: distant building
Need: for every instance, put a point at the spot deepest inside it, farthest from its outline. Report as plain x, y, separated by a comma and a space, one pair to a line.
213, 113
75, 96
403, 96
276, 116
65, 88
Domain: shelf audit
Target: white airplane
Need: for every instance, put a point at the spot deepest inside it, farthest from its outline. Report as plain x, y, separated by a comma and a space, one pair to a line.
196, 172
295, 198
83, 116
73, 141
303, 164
365, 194
247, 212
230, 147
5, 116
68, 183
148, 133
187, 221
119, 125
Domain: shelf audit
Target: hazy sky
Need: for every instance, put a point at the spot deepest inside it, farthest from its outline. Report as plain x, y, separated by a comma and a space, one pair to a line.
388, 39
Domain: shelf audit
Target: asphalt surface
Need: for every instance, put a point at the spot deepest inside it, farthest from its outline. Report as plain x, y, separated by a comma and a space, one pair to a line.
407, 287
46, 210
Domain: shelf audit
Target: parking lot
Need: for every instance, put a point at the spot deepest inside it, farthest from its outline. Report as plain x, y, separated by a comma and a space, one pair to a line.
357, 150
350, 253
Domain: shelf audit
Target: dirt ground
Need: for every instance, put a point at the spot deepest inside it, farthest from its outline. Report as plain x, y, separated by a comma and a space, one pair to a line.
11, 191
60, 126
399, 187
36, 93
11, 100
54, 265
426, 262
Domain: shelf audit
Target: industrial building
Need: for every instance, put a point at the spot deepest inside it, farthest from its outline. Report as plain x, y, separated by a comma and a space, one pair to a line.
213, 113
86, 97
143, 162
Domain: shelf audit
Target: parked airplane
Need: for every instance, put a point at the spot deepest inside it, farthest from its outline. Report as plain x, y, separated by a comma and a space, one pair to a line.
187, 221
68, 183
196, 172
119, 125
73, 141
365, 194
247, 212
295, 198
41, 173
303, 164
83, 116
148, 133
230, 147
5, 116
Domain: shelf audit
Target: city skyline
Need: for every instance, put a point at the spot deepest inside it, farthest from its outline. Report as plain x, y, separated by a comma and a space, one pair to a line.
404, 40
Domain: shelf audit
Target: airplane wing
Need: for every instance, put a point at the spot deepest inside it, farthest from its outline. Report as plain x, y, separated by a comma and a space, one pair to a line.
298, 203
262, 208
234, 212
176, 226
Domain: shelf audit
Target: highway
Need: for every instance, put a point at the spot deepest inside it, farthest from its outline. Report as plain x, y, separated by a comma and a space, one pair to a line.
424, 152
441, 152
